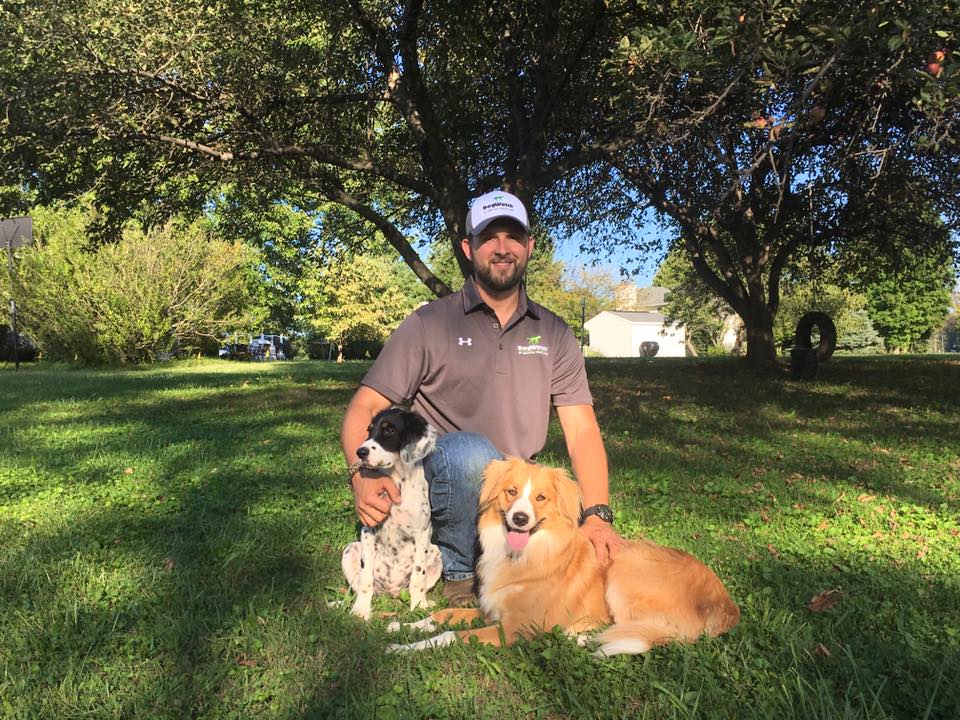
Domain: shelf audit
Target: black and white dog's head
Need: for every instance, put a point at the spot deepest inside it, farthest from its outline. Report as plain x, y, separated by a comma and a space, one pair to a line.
397, 435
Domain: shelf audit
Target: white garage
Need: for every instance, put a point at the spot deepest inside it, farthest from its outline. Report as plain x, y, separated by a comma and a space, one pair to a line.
619, 333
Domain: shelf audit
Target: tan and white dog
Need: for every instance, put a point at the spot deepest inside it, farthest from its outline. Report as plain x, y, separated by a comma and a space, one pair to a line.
538, 571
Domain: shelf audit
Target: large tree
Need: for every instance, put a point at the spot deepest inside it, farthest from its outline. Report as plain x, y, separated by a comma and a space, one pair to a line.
399, 112
767, 127
753, 131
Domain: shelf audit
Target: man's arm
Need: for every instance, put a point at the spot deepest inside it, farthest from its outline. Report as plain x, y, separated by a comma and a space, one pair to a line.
373, 493
589, 460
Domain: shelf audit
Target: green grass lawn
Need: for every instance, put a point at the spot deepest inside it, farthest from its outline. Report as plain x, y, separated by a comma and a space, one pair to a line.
169, 538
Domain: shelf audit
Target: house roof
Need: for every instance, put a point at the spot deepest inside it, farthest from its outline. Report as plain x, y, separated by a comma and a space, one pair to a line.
652, 297
635, 317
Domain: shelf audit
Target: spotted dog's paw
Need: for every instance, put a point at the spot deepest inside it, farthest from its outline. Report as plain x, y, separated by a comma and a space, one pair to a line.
443, 639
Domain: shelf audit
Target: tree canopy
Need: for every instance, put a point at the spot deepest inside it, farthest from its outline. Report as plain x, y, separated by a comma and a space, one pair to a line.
786, 125
753, 132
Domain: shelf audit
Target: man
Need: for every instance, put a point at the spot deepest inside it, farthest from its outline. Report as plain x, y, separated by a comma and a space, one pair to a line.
483, 366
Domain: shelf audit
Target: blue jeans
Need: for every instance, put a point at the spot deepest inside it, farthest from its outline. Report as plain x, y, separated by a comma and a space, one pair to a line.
454, 471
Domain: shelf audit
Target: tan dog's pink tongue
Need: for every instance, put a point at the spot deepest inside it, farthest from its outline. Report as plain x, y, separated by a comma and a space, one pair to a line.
517, 540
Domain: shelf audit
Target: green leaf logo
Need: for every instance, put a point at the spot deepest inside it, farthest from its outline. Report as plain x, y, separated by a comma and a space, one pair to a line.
534, 340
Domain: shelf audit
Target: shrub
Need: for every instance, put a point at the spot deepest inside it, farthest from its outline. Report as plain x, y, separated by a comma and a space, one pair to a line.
172, 289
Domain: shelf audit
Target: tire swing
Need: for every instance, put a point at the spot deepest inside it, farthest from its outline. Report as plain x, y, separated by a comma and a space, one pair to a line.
804, 358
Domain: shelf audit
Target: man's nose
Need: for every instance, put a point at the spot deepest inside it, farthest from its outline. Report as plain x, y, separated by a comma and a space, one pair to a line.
501, 244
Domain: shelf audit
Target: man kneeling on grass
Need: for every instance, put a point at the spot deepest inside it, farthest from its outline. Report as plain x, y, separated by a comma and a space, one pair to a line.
483, 366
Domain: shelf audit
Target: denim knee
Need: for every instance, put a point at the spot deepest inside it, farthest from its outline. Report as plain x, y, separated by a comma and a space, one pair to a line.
455, 473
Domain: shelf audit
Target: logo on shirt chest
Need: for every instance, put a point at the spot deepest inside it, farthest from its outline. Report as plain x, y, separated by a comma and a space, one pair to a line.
464, 341
533, 347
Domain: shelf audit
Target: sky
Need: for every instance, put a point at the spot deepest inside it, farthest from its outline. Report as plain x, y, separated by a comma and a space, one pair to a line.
640, 265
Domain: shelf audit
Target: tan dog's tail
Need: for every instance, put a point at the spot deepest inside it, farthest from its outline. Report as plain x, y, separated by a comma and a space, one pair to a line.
633, 637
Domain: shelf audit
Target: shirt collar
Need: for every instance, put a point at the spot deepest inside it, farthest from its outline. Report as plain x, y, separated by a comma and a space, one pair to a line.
473, 301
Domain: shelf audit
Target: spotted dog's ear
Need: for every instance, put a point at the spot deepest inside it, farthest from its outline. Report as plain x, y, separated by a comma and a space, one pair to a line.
568, 495
418, 440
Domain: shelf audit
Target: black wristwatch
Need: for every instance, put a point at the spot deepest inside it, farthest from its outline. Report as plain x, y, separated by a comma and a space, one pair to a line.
601, 511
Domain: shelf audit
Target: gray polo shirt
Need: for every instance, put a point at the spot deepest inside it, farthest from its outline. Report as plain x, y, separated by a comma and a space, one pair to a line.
462, 371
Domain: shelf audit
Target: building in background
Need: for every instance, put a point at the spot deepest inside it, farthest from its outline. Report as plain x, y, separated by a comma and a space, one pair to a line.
636, 323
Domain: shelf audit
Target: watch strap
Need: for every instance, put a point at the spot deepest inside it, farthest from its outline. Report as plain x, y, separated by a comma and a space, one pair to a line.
600, 510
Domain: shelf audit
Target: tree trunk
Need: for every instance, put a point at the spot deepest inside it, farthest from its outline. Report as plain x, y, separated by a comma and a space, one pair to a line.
761, 348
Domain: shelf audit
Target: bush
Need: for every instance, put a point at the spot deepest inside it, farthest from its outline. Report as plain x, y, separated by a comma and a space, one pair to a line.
168, 291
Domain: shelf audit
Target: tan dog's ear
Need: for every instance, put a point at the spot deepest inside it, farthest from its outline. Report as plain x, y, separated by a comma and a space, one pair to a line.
568, 495
493, 475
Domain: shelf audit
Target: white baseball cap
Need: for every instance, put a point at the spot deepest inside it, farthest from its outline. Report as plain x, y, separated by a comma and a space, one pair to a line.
497, 204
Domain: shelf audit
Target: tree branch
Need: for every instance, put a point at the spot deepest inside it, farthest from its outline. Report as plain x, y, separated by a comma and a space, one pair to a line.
335, 191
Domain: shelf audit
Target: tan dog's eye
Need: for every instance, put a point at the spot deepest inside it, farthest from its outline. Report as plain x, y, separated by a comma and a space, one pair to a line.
512, 492
540, 498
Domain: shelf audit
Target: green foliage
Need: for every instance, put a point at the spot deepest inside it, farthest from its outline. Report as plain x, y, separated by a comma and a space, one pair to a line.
859, 334
690, 301
907, 303
170, 289
358, 298
766, 128
285, 238
799, 299
571, 294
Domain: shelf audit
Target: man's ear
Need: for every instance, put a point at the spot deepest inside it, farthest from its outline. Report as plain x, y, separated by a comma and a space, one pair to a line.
467, 250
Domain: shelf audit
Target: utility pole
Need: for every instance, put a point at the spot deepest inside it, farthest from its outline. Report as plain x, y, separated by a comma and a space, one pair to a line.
14, 233
583, 321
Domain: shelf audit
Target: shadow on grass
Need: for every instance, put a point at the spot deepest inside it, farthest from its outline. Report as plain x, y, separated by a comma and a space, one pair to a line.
188, 576
199, 580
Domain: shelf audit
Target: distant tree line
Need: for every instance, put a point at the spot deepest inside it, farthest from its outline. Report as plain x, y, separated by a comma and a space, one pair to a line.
189, 285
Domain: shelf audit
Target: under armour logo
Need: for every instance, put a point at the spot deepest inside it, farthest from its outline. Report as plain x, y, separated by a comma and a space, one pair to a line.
465, 341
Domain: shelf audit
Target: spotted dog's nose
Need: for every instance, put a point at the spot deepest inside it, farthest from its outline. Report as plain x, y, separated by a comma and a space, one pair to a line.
363, 452
520, 519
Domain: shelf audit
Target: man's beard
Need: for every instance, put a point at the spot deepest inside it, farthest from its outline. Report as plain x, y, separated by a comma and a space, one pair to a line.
501, 283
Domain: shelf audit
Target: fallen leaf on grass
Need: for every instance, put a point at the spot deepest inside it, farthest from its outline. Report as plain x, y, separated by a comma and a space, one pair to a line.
246, 662
824, 601
865, 497
773, 551
822, 651
169, 564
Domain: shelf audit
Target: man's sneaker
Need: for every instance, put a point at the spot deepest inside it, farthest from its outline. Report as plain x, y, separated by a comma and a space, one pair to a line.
460, 593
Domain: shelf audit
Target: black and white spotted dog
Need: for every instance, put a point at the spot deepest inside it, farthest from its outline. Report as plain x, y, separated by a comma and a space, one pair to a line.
398, 553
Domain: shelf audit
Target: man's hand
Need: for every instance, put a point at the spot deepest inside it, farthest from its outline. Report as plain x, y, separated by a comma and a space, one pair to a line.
373, 496
603, 537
